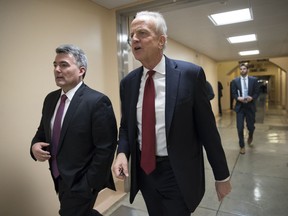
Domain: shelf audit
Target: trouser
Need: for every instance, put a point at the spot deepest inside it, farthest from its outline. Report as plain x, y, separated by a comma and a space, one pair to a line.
76, 203
249, 116
219, 105
161, 192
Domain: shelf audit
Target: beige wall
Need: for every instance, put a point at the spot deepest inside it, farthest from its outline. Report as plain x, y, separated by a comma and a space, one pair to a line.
176, 50
30, 32
227, 71
283, 88
274, 86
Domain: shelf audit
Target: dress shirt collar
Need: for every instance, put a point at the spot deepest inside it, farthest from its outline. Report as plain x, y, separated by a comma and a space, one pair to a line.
244, 78
159, 68
72, 91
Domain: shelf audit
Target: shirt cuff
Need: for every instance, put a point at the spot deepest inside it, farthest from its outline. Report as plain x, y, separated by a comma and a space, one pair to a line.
224, 180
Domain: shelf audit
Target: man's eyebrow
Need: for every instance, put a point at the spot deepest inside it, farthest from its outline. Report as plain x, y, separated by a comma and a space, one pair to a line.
61, 62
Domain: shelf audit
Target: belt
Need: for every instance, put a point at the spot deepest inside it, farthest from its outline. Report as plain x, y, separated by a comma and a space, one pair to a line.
158, 158
161, 158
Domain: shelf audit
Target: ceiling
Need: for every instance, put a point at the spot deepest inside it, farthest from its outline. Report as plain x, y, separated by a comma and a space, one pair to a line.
188, 23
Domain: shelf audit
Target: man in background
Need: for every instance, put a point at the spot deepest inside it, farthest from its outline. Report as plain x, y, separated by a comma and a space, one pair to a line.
245, 91
210, 91
220, 88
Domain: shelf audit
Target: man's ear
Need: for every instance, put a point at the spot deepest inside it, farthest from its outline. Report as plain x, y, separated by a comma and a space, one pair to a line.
162, 41
82, 70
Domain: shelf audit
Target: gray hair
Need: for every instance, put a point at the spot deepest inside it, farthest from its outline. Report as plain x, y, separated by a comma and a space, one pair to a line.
160, 23
79, 55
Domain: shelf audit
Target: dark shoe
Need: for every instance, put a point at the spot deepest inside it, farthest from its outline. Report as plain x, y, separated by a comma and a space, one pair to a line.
242, 150
249, 141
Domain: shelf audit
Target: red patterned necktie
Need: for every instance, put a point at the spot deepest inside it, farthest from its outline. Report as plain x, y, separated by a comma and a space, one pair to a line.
148, 151
56, 135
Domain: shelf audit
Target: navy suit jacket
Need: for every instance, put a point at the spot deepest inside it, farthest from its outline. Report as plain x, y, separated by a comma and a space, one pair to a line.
253, 91
190, 125
87, 142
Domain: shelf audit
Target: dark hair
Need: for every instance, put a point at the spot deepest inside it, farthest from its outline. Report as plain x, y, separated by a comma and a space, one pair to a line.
245, 65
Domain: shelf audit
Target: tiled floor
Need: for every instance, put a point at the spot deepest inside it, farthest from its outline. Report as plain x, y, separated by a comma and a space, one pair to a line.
259, 178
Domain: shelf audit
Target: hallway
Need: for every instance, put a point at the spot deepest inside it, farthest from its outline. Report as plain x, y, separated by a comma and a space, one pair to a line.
259, 178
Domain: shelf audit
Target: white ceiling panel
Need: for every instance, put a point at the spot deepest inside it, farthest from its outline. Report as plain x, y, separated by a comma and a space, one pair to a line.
189, 24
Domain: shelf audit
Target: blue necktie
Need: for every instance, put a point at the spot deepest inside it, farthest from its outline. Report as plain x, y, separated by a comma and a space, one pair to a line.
245, 89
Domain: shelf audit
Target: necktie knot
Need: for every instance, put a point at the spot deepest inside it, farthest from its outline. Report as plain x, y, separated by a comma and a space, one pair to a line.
150, 73
63, 98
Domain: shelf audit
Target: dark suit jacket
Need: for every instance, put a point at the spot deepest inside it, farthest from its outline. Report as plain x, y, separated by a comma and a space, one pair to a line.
253, 91
190, 125
210, 91
88, 139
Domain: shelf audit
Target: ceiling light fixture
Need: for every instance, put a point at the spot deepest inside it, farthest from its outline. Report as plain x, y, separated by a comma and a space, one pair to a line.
230, 17
242, 38
249, 52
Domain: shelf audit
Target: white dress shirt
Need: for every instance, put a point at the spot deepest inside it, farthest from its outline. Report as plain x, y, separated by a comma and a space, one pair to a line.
159, 83
70, 94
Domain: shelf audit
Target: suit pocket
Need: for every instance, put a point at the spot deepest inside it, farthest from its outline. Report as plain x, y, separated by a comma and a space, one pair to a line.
81, 185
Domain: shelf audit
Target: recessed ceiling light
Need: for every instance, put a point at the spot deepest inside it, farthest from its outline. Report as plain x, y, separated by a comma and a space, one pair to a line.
250, 52
230, 17
242, 38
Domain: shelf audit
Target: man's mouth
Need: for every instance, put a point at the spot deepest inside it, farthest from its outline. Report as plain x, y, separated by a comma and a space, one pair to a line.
137, 48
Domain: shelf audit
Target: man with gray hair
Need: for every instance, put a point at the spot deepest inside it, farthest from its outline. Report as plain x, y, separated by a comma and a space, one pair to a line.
77, 135
166, 121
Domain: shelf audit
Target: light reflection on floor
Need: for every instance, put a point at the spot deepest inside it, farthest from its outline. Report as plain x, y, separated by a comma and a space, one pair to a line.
259, 178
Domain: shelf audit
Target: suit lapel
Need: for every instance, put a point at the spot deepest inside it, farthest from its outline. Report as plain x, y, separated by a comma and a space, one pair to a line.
172, 83
51, 104
250, 85
239, 87
76, 100
134, 94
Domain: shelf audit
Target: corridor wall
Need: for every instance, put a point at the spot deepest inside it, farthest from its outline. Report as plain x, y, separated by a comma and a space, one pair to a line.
30, 32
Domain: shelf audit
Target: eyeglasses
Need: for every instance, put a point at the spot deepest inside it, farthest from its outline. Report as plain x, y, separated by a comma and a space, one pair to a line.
139, 34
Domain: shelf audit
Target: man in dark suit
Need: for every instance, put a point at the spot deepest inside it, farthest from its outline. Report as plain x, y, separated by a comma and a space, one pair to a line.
184, 124
220, 94
245, 91
80, 160
210, 91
